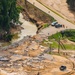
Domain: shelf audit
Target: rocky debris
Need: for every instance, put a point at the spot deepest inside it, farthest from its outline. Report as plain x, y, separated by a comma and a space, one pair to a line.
27, 46
24, 53
16, 57
48, 57
22, 65
2, 72
4, 53
72, 56
35, 63
28, 49
38, 38
4, 58
33, 45
5, 64
26, 57
16, 44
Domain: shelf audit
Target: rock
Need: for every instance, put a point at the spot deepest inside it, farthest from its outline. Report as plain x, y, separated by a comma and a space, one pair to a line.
4, 53
1, 63
72, 56
4, 58
34, 45
16, 57
47, 56
22, 73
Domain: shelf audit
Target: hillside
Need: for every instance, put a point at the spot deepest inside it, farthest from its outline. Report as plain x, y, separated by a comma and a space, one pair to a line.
60, 6
29, 56
36, 14
71, 4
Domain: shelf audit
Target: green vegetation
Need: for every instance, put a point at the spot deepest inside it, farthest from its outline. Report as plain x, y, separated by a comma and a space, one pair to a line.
45, 25
46, 43
54, 45
69, 46
52, 19
8, 37
71, 4
55, 36
15, 36
9, 14
6, 44
64, 35
70, 34
19, 8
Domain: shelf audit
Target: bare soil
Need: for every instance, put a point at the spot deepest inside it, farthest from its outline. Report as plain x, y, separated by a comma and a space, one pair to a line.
61, 7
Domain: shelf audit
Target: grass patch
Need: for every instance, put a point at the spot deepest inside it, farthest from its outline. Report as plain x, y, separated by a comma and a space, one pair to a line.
70, 34
47, 44
45, 25
15, 36
69, 46
67, 34
5, 44
55, 44
55, 36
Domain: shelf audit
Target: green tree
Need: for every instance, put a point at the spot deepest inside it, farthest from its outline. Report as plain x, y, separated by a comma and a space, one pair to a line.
8, 14
68, 1
71, 4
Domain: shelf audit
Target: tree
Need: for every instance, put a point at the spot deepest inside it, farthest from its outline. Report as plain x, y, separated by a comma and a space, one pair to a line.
8, 14
71, 4
68, 1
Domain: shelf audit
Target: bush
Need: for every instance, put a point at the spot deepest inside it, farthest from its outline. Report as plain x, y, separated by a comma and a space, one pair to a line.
55, 36
8, 37
69, 34
19, 8
45, 25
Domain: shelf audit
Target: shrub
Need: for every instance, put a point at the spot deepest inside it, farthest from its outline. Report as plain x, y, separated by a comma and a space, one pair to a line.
8, 37
45, 25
